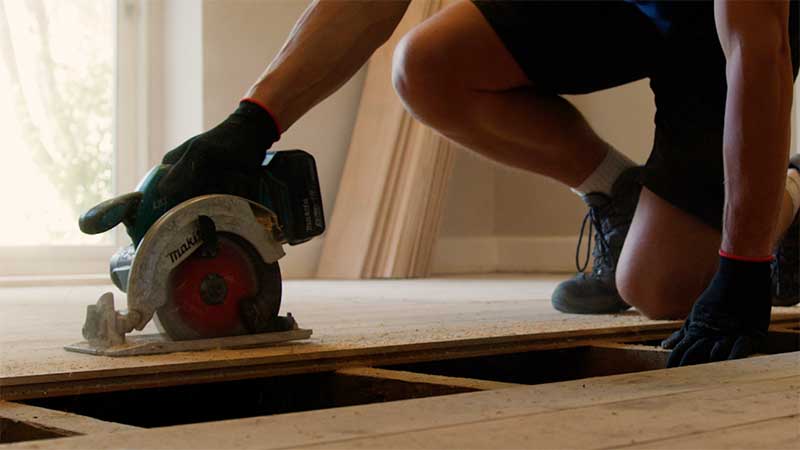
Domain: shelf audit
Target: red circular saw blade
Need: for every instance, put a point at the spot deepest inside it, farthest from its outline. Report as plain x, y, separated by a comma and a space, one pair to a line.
232, 264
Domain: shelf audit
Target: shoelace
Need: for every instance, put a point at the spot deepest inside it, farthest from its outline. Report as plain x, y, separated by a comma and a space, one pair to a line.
601, 240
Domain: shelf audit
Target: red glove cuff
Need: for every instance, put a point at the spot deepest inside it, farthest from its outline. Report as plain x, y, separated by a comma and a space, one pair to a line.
725, 254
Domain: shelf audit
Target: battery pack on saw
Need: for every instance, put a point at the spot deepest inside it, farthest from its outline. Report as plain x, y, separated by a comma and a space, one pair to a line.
290, 188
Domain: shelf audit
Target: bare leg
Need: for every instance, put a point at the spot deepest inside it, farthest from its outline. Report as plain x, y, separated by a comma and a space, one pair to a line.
454, 74
669, 257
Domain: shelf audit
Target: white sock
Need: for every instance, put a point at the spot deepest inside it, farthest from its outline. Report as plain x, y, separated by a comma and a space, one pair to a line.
793, 189
604, 176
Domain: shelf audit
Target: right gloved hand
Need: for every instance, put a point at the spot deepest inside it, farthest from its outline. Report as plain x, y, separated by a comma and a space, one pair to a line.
233, 149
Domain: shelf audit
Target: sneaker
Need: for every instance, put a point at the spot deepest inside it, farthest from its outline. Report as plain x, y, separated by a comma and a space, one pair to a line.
610, 217
786, 265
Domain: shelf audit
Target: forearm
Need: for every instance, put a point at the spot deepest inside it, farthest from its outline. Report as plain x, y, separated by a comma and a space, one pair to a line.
327, 46
754, 36
756, 147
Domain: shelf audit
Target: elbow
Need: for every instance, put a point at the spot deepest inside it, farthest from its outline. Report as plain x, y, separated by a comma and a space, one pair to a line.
753, 31
765, 47
761, 58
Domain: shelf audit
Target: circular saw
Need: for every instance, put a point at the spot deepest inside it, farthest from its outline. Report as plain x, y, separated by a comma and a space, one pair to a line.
205, 269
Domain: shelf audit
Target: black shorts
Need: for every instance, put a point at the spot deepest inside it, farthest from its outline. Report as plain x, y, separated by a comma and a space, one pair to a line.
572, 47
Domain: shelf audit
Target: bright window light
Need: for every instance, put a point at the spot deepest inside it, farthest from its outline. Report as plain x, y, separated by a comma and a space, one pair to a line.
56, 118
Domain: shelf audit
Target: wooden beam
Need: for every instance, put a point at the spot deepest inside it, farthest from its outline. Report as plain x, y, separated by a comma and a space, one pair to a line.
456, 384
613, 358
20, 422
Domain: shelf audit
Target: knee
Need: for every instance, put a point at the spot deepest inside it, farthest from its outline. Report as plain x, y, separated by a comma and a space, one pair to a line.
657, 298
419, 74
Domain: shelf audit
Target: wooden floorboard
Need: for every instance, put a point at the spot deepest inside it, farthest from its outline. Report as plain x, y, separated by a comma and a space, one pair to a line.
58, 420
775, 434
352, 322
607, 425
676, 406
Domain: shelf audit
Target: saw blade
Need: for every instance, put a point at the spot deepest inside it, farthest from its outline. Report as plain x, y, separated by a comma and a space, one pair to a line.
213, 293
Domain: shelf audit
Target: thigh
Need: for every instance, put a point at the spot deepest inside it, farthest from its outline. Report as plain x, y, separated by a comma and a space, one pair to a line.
576, 47
668, 258
456, 48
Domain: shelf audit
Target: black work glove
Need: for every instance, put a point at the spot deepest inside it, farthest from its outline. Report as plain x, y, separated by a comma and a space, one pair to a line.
230, 152
729, 320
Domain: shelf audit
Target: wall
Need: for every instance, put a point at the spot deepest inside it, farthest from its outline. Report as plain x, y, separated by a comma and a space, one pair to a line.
213, 51
466, 233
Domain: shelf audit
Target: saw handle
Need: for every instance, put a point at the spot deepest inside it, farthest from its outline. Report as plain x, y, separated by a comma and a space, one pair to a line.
110, 213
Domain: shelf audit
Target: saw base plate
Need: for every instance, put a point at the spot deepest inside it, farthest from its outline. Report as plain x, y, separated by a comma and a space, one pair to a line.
154, 344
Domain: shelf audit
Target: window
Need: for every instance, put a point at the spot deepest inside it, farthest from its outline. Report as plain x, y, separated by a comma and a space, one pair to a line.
65, 68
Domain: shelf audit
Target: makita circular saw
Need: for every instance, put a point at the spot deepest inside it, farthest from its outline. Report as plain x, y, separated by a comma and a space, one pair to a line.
205, 268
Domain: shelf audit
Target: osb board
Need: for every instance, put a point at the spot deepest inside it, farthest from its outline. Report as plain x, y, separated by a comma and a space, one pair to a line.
687, 407
349, 318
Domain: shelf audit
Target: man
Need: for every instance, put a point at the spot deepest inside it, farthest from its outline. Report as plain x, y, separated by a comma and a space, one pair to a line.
489, 75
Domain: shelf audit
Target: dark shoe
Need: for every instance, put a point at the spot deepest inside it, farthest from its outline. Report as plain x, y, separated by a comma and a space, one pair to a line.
610, 217
786, 266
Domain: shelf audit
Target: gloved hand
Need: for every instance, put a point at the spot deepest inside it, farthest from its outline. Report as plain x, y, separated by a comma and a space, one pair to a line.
233, 150
729, 320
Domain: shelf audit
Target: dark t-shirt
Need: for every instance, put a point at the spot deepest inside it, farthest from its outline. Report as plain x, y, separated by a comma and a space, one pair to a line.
694, 20
660, 12
666, 13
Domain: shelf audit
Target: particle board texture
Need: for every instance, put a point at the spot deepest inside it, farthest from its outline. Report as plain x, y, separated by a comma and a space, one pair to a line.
356, 323
752, 403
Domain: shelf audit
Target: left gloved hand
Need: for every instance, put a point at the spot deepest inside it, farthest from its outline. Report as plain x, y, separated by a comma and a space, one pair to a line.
729, 320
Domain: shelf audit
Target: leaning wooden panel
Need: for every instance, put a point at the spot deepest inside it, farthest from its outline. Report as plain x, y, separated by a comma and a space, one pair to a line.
390, 198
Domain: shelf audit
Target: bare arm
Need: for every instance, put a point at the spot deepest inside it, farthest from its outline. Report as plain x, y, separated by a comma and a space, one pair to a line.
754, 37
329, 43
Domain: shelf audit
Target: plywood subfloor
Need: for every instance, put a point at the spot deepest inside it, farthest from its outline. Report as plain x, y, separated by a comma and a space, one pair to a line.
349, 318
748, 404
